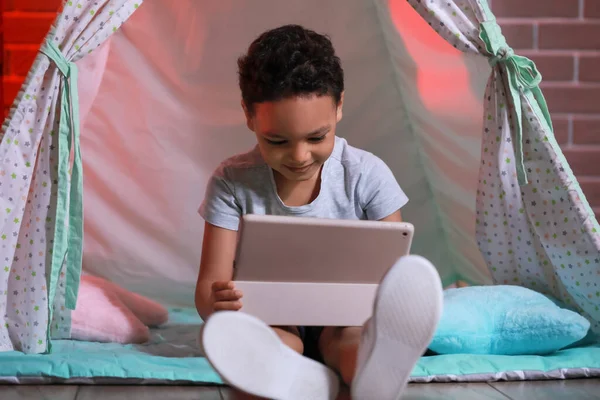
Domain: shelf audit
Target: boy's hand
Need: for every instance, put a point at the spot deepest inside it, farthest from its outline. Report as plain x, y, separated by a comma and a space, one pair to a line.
226, 297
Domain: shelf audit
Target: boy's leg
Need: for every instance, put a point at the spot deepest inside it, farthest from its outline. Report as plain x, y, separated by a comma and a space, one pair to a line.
290, 336
250, 356
254, 358
377, 360
339, 348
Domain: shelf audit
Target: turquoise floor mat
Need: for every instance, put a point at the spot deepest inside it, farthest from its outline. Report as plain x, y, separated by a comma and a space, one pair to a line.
171, 357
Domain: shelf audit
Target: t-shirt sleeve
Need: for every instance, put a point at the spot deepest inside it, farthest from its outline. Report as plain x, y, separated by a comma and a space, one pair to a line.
379, 190
220, 207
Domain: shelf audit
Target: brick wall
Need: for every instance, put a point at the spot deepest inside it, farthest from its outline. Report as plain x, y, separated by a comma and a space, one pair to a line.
563, 38
26, 23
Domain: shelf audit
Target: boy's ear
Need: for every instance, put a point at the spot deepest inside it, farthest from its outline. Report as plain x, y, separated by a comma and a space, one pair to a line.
339, 108
249, 118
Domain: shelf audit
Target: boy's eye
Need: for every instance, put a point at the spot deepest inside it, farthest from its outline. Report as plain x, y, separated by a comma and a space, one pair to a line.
282, 142
275, 142
316, 139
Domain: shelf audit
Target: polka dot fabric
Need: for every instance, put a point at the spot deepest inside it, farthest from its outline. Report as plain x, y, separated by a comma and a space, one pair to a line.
542, 235
28, 181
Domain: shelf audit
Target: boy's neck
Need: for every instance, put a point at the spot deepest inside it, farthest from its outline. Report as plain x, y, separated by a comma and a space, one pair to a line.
298, 193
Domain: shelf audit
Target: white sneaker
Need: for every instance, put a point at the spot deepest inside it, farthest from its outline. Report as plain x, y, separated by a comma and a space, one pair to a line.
251, 357
407, 309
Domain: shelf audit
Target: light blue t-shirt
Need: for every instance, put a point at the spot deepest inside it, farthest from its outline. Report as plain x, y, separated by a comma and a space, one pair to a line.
355, 184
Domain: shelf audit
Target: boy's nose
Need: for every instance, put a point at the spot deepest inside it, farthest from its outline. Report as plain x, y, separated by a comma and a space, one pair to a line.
300, 155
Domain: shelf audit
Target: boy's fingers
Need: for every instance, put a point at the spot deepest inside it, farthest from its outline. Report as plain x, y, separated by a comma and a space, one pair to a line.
227, 306
222, 285
228, 295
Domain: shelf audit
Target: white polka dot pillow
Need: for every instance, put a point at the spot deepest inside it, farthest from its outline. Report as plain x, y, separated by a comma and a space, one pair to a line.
507, 320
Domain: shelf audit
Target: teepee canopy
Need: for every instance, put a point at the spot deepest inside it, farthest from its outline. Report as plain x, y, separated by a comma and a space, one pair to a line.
120, 127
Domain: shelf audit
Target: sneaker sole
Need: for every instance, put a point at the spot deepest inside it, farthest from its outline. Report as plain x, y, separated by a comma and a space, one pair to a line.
249, 356
406, 311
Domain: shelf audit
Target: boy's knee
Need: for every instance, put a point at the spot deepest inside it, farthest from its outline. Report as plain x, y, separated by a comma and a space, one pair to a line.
295, 343
291, 338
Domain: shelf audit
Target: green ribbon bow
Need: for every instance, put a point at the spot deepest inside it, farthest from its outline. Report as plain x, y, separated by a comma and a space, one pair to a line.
523, 77
67, 244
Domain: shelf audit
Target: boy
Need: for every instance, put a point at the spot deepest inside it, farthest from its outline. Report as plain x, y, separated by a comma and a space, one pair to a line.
292, 87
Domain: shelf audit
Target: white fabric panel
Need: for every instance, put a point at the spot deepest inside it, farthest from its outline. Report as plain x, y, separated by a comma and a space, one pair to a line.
168, 110
443, 89
91, 71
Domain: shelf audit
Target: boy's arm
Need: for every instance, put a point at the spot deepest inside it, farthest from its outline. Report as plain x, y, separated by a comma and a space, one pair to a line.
216, 265
379, 194
395, 217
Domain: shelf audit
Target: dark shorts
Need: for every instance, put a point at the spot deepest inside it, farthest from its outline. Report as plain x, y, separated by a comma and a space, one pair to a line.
310, 338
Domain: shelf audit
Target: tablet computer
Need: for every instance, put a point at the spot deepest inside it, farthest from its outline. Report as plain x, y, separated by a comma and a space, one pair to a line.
311, 271
298, 249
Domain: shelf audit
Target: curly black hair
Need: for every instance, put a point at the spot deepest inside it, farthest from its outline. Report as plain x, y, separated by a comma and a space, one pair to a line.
289, 61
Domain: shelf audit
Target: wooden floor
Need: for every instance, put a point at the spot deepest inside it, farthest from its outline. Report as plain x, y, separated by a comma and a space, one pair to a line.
568, 389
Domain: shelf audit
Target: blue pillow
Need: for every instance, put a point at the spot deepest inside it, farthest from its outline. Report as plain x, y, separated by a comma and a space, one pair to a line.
504, 319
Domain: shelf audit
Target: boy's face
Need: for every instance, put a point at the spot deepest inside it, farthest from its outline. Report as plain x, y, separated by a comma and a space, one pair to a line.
296, 135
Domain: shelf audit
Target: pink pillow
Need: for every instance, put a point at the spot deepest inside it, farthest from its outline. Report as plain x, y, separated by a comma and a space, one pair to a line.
105, 312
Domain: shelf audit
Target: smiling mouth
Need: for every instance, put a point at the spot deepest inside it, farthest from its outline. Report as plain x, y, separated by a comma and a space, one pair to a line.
299, 169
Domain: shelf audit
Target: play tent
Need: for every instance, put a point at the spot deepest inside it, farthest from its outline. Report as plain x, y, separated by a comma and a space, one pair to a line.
129, 107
